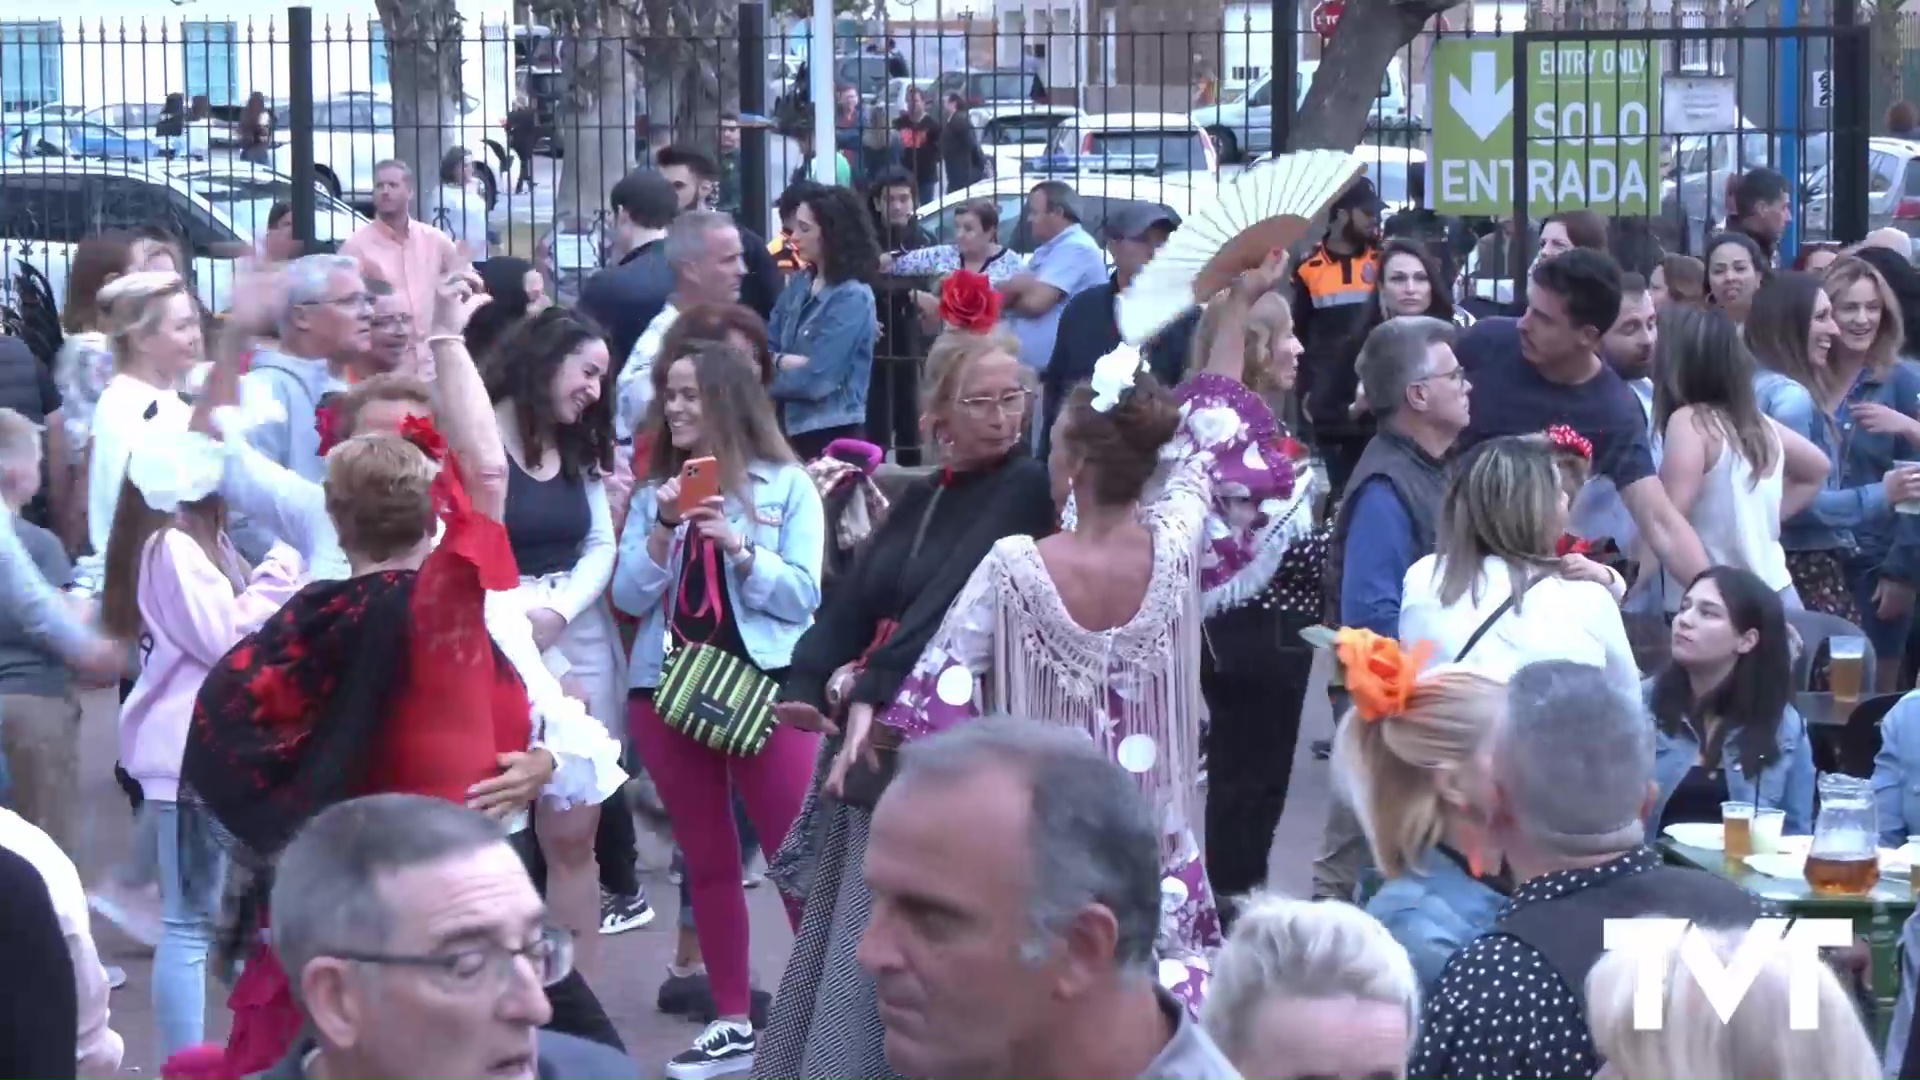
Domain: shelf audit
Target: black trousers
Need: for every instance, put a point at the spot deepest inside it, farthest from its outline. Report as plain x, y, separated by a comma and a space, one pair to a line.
576, 1009
616, 847
1254, 670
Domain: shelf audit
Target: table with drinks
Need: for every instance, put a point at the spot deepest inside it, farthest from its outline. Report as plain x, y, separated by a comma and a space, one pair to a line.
1835, 873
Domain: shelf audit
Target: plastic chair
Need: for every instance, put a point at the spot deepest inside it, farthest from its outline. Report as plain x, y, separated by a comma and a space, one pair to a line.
1851, 747
1815, 628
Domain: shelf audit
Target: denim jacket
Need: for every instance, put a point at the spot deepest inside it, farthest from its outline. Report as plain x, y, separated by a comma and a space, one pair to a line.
1433, 910
835, 331
1852, 513
772, 605
1896, 772
1785, 784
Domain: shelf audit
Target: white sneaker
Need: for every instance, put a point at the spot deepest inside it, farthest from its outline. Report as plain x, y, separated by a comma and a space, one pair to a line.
726, 1047
116, 976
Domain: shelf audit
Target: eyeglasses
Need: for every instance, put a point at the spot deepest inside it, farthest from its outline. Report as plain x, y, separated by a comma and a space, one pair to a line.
487, 964
1455, 374
393, 322
1011, 403
349, 302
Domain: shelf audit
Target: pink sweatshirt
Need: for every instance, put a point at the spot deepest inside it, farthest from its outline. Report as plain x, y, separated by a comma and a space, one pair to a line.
192, 618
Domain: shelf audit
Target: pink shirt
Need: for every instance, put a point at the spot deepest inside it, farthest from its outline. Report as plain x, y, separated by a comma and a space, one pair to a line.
192, 618
414, 264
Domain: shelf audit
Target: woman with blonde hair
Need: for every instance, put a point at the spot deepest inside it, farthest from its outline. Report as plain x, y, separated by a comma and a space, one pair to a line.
1313, 989
1763, 1037
865, 641
153, 326
1259, 574
1494, 593
1413, 757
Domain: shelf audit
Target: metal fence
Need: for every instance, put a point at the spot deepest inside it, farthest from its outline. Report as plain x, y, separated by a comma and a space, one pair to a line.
198, 123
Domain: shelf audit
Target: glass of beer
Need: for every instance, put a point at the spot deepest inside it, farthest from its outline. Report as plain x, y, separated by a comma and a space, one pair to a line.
1736, 824
1848, 653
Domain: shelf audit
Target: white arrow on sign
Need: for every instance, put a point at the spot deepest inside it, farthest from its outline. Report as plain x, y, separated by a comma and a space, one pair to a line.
1483, 105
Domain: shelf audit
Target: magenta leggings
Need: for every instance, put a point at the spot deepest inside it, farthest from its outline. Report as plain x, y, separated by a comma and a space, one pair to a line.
695, 783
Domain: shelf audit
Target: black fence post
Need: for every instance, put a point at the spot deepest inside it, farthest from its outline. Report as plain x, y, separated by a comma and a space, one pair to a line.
754, 201
1851, 120
1286, 71
300, 125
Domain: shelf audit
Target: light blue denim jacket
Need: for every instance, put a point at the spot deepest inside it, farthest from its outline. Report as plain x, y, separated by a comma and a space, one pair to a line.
1852, 502
1785, 784
772, 606
1433, 910
1896, 772
835, 331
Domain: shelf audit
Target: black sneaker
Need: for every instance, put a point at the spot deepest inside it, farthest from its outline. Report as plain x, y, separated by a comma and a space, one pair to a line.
619, 914
691, 996
725, 1047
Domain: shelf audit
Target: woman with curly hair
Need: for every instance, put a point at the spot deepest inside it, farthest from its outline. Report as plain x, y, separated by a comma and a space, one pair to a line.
865, 640
550, 379
824, 324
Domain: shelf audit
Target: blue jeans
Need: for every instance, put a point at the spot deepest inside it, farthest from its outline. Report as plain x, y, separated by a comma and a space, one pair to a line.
1887, 636
191, 871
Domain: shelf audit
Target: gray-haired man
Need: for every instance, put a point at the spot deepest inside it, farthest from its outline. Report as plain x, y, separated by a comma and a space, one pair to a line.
1388, 515
1015, 874
1572, 780
704, 249
417, 947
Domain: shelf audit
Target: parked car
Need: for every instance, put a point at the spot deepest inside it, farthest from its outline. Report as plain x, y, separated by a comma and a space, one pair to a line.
48, 207
1145, 144
353, 132
55, 113
1393, 170
86, 140
1099, 196
1693, 191
1009, 134
1244, 127
995, 86
1893, 189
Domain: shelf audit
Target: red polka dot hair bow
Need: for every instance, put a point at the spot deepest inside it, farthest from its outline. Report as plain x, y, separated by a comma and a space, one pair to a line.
1566, 439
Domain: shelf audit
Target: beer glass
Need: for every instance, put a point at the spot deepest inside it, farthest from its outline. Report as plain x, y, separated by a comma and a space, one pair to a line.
1736, 826
1848, 653
1845, 857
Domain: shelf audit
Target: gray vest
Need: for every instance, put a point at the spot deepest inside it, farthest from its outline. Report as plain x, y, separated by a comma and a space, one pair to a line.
1418, 480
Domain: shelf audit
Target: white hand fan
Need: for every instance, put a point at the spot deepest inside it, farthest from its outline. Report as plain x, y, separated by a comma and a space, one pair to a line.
1267, 207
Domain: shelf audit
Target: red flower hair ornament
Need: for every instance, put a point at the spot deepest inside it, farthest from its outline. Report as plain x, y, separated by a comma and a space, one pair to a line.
326, 424
968, 302
1570, 441
420, 431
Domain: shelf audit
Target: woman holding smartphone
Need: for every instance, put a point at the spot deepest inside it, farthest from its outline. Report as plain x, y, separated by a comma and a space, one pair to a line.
548, 378
722, 551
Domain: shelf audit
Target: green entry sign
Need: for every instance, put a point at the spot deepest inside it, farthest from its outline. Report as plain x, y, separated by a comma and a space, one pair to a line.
1592, 113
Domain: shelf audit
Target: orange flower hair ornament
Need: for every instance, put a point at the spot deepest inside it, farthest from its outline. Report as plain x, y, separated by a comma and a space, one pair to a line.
1380, 675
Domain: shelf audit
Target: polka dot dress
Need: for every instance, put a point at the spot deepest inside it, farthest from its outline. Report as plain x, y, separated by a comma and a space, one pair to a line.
1501, 1012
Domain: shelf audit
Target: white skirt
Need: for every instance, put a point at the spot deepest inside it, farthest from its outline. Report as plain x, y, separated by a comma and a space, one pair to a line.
588, 652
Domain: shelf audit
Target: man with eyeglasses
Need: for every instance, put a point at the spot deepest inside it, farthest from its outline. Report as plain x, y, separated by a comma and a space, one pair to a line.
325, 330
391, 345
417, 947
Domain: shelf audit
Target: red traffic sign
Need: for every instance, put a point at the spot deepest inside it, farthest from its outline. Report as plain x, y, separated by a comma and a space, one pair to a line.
1326, 16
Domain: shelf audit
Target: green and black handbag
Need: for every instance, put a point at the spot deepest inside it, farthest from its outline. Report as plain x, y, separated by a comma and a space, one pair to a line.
707, 693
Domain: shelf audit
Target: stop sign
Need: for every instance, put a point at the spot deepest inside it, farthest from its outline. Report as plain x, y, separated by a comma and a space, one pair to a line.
1326, 16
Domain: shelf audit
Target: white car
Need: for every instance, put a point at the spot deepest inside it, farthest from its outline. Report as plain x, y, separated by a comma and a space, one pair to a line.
1244, 127
1163, 145
48, 207
353, 132
1391, 168
1009, 134
1098, 194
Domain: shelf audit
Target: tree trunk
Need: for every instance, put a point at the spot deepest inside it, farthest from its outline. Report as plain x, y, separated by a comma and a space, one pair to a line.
693, 69
423, 45
595, 118
1334, 114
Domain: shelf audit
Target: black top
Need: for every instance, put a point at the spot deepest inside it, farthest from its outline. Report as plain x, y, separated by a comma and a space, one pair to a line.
694, 616
38, 996
547, 520
1510, 397
1090, 330
1503, 1008
1696, 798
920, 146
973, 511
625, 297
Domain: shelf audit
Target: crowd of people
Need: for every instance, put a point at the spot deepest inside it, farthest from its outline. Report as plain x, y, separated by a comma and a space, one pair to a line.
409, 575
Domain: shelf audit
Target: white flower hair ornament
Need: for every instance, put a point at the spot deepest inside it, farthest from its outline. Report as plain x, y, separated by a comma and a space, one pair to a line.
176, 467
1113, 375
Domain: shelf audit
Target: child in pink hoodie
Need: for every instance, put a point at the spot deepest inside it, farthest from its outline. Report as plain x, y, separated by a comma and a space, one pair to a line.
175, 584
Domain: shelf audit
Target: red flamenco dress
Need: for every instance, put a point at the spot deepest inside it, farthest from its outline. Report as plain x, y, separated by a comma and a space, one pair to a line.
386, 682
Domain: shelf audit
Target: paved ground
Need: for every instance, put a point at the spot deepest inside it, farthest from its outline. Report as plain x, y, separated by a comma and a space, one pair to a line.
634, 961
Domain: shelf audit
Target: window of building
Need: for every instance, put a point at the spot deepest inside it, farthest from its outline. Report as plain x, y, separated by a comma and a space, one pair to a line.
29, 64
379, 65
212, 54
